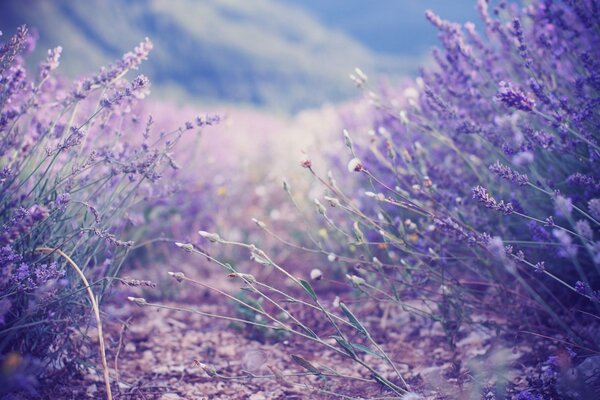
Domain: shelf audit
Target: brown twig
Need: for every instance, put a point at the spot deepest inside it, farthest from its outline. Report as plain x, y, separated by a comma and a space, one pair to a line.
118, 352
95, 307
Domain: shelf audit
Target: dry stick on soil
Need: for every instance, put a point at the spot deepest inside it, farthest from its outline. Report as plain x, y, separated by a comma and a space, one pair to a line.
119, 346
48, 250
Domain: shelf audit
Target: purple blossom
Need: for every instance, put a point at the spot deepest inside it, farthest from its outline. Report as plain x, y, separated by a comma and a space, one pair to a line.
513, 97
563, 206
508, 173
567, 248
62, 200
528, 395
540, 267
538, 233
51, 63
594, 207
583, 228
582, 287
5, 307
482, 195
207, 120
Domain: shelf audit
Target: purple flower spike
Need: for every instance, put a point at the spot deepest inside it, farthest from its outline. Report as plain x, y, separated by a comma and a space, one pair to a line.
513, 97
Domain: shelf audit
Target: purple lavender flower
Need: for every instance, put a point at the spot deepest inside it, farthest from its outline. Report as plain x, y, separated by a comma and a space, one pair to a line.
563, 206
207, 120
5, 306
509, 174
540, 267
51, 63
62, 200
567, 248
583, 228
582, 287
513, 97
594, 207
482, 195
538, 233
528, 395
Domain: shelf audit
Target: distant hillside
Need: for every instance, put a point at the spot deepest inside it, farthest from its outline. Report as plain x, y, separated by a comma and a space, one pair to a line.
261, 52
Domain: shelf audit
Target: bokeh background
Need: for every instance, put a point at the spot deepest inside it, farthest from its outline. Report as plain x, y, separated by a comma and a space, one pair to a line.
282, 55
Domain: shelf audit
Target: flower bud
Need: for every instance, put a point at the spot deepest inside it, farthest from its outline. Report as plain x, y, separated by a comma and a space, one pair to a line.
179, 276
213, 237
138, 300
316, 274
355, 165
185, 246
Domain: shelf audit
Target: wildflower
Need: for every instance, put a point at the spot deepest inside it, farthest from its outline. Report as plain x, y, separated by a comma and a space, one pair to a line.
356, 280
358, 234
483, 196
528, 395
246, 277
355, 165
185, 246
179, 276
212, 237
540, 267
51, 62
513, 97
259, 223
347, 140
138, 300
331, 257
137, 282
208, 120
316, 274
5, 307
306, 164
62, 200
259, 256
320, 208
333, 202
567, 248
583, 228
359, 77
507, 173
563, 206
594, 207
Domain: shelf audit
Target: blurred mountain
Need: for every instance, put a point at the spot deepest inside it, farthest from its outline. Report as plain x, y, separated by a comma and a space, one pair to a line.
286, 55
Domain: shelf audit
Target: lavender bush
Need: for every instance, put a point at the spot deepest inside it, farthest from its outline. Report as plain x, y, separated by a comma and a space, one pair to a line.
492, 158
474, 198
79, 174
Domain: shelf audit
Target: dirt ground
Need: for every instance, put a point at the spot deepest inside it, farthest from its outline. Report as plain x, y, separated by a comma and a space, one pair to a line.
159, 354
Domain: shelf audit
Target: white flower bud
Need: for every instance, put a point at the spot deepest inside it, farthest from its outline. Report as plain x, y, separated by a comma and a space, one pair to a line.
333, 202
347, 139
316, 274
356, 280
179, 276
138, 300
355, 165
246, 277
213, 237
320, 207
185, 246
